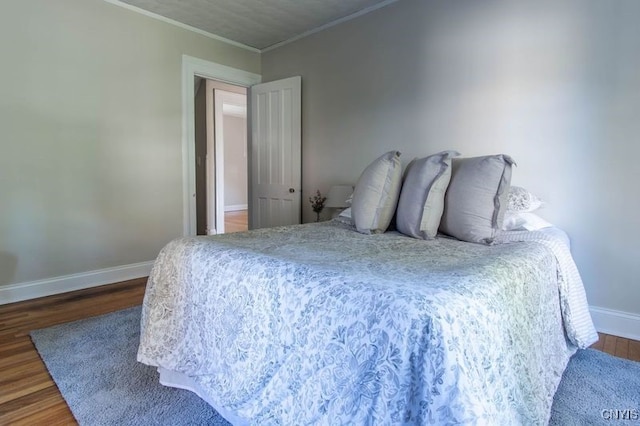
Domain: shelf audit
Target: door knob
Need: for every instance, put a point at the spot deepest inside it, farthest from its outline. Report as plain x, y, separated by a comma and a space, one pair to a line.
291, 190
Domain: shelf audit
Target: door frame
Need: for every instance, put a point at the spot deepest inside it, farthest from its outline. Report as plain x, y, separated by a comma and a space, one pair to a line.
191, 67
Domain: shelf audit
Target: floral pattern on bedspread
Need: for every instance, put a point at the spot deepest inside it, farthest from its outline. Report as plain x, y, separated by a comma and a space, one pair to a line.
320, 324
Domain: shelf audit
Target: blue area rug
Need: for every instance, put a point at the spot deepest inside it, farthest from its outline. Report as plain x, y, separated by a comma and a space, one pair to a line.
598, 389
93, 362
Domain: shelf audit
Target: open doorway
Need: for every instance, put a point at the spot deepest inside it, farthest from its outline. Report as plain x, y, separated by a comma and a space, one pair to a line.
274, 150
220, 157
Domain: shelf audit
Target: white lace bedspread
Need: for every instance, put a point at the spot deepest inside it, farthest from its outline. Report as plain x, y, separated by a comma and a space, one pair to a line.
573, 299
320, 324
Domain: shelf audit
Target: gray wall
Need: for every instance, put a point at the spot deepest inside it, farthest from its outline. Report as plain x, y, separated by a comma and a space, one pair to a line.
90, 149
235, 160
556, 84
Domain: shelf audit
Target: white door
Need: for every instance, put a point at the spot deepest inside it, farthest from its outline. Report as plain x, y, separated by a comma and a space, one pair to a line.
275, 190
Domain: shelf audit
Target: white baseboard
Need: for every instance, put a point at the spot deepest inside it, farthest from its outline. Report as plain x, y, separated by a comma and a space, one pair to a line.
47, 287
236, 207
617, 323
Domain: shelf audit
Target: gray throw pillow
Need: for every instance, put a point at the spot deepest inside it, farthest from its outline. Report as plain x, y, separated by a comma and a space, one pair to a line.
477, 198
376, 194
421, 201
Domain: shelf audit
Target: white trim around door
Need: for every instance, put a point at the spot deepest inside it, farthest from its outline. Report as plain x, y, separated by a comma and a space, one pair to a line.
191, 67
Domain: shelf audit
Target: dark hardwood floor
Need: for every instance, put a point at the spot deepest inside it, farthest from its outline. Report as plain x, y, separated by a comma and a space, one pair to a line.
28, 395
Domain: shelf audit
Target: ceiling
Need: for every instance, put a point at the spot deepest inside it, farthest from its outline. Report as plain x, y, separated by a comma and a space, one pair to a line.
257, 23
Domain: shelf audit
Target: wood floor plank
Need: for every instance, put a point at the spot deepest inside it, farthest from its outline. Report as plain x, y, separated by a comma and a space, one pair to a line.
600, 343
28, 395
21, 370
14, 352
622, 348
236, 221
55, 415
42, 405
634, 350
28, 384
610, 344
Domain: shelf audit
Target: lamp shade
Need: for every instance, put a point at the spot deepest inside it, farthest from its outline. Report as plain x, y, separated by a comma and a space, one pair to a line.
338, 194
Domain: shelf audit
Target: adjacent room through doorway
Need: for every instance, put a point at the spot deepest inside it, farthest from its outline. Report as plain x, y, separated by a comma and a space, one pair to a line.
221, 157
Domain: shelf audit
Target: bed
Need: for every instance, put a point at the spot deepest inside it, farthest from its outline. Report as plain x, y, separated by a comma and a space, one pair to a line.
318, 323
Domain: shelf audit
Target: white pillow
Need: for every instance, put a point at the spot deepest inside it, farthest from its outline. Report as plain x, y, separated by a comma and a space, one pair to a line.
516, 221
346, 213
421, 202
345, 216
376, 194
521, 200
476, 199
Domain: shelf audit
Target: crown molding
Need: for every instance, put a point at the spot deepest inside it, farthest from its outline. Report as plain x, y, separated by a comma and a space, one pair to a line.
244, 46
181, 25
330, 24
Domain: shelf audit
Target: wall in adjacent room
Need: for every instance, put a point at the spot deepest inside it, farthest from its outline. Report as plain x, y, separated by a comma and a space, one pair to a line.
235, 161
554, 84
91, 134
